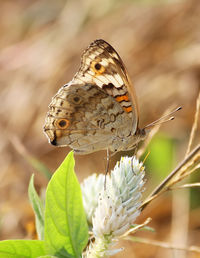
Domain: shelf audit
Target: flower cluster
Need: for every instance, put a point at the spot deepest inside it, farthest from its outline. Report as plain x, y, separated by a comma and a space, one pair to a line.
113, 209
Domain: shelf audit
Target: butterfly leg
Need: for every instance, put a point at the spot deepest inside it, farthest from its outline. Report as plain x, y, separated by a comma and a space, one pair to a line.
135, 149
107, 166
107, 160
132, 165
134, 154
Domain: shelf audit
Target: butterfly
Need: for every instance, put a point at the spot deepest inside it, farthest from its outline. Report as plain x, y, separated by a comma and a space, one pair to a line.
98, 108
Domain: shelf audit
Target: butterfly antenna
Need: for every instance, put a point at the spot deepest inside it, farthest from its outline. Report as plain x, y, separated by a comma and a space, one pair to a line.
161, 121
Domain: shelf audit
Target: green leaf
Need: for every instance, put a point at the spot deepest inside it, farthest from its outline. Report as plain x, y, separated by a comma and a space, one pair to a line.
48, 256
39, 166
21, 248
66, 230
37, 207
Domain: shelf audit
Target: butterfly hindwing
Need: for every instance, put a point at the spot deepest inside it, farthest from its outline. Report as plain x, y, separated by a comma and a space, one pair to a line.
85, 118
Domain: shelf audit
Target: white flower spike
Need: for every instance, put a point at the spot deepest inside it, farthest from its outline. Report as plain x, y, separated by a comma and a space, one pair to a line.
117, 206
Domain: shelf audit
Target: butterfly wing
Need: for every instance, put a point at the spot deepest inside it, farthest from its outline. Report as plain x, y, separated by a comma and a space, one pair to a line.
97, 109
85, 118
101, 65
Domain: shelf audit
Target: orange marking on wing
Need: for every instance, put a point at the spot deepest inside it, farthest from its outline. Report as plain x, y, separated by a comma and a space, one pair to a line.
127, 109
58, 134
121, 98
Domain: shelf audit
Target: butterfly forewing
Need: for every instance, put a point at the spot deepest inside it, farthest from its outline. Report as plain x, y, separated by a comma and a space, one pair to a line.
101, 64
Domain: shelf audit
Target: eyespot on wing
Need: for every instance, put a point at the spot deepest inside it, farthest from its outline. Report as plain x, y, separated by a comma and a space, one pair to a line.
62, 123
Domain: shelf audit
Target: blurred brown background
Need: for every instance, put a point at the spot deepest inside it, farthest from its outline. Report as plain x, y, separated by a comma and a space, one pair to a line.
40, 47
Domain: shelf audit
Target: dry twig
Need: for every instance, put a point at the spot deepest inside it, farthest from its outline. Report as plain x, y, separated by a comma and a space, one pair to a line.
195, 125
163, 244
192, 157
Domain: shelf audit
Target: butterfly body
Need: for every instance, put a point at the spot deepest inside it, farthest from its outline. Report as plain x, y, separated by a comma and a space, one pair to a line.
97, 110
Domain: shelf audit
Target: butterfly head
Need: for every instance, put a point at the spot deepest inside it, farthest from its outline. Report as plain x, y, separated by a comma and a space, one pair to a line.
140, 135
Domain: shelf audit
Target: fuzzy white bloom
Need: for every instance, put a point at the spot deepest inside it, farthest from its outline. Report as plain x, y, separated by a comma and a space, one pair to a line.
91, 187
118, 206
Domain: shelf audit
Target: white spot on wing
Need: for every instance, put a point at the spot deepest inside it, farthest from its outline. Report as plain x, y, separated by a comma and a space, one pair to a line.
104, 62
104, 79
93, 56
87, 61
115, 55
89, 76
98, 81
118, 79
113, 80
